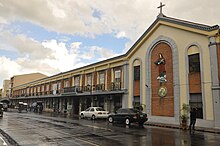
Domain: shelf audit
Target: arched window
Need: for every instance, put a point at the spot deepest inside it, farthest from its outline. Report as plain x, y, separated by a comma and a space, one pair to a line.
136, 70
194, 60
136, 83
195, 99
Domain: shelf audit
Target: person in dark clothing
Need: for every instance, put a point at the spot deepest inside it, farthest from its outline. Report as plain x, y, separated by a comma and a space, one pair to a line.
192, 120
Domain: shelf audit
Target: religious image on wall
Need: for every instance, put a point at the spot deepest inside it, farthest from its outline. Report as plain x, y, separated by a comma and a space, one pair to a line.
162, 72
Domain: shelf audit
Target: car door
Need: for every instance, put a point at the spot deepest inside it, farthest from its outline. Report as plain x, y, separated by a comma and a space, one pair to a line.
91, 112
120, 115
124, 114
86, 113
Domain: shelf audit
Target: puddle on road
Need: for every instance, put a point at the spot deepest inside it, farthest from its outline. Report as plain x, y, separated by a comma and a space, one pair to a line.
67, 122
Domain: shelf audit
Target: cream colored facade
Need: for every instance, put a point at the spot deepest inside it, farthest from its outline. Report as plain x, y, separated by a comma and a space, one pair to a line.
183, 38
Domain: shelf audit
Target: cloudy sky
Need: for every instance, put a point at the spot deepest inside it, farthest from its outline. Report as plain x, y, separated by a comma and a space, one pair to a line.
52, 36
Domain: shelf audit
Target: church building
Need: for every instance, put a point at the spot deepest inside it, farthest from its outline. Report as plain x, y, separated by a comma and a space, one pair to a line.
178, 62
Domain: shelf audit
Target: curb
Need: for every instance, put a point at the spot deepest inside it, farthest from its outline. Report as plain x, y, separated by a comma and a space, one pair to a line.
9, 139
201, 129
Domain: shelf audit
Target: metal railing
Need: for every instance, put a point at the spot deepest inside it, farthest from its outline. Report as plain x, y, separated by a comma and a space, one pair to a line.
114, 86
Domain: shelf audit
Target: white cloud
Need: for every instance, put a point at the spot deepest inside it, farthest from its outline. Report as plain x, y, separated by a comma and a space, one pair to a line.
102, 53
73, 57
121, 34
77, 17
48, 57
3, 20
75, 47
64, 59
7, 69
24, 46
56, 11
84, 18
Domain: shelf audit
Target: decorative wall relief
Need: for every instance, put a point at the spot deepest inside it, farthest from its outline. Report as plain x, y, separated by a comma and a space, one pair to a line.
162, 71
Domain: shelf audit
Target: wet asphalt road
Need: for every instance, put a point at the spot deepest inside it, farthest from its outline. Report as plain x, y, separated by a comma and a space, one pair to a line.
29, 129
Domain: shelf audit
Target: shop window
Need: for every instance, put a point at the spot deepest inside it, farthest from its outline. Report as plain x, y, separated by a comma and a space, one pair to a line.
194, 63
136, 72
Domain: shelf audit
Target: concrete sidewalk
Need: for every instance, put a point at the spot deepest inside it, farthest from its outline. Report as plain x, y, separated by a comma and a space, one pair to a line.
202, 129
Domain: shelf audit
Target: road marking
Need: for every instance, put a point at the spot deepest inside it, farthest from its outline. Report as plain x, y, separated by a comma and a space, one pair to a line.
96, 127
86, 141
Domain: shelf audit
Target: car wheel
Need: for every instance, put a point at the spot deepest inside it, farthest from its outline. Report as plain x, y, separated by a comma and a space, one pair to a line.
93, 117
110, 119
82, 116
127, 121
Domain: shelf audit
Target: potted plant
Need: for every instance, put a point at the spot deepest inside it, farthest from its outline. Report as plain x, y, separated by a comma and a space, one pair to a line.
184, 115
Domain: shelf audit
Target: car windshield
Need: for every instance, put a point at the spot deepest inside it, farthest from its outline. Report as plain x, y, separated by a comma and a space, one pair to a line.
135, 111
100, 109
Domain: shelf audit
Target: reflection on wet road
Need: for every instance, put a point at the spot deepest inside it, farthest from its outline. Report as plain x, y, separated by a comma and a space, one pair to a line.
44, 130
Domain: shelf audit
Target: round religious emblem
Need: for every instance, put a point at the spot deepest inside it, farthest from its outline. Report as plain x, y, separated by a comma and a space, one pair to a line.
162, 92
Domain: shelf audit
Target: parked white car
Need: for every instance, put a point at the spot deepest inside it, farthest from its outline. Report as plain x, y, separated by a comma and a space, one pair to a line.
94, 113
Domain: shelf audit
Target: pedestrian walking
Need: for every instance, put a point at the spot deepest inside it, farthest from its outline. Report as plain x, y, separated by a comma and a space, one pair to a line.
192, 120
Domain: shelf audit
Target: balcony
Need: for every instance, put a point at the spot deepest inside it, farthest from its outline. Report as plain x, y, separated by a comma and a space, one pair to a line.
115, 86
74, 89
87, 88
99, 88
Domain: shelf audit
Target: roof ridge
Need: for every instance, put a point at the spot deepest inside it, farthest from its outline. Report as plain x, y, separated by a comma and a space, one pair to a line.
190, 23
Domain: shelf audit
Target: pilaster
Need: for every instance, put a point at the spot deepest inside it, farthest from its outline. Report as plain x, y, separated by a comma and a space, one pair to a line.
215, 80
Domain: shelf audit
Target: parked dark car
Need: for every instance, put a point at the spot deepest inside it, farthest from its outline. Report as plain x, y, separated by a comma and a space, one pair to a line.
128, 116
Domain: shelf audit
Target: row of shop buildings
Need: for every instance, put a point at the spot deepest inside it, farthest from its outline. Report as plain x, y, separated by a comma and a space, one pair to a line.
172, 63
